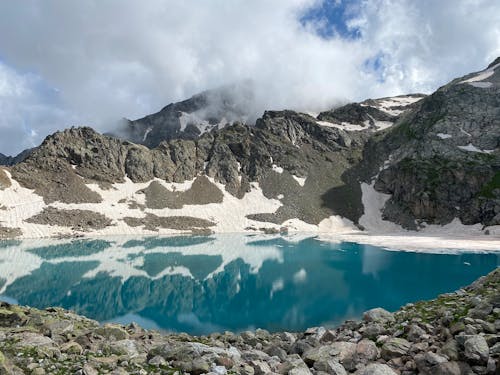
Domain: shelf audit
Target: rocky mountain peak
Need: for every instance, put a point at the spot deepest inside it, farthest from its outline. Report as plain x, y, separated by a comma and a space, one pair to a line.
494, 63
188, 119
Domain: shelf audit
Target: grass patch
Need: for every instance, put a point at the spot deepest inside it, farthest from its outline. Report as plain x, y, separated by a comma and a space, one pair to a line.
487, 190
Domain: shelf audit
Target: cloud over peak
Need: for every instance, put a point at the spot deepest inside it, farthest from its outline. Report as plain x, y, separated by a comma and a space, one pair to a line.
96, 61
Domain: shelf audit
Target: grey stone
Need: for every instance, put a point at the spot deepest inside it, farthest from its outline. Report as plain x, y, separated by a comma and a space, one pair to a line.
112, 331
340, 351
124, 347
395, 347
89, 370
451, 368
476, 349
366, 350
378, 369
260, 367
450, 349
378, 315
495, 349
330, 367
157, 361
415, 333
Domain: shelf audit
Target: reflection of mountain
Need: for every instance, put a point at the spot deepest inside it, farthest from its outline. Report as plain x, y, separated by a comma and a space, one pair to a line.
202, 284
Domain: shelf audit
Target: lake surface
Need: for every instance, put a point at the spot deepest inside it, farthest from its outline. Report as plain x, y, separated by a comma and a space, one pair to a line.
202, 284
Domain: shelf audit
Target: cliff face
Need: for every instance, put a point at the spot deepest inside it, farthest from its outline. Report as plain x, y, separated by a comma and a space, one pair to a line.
427, 159
442, 158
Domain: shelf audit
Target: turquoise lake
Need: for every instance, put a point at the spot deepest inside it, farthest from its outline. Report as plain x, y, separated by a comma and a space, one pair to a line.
204, 284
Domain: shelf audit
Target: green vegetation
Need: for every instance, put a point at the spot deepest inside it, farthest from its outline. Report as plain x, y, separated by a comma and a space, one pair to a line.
494, 183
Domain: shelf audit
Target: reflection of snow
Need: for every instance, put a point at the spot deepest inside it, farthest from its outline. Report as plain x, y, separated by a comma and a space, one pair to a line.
125, 262
300, 276
373, 261
278, 285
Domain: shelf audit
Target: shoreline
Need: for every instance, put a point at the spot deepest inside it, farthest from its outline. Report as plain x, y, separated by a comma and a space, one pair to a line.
456, 333
397, 241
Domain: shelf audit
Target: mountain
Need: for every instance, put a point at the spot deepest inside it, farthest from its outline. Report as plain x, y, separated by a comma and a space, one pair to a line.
442, 159
211, 109
414, 162
11, 160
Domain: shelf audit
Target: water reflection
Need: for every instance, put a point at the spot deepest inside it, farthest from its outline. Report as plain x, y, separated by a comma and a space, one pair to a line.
226, 282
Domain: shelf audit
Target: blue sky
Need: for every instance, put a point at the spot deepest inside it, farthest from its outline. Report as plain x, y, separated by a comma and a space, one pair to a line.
93, 62
332, 18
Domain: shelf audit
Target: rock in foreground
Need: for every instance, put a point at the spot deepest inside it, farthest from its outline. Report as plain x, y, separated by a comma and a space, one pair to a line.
457, 333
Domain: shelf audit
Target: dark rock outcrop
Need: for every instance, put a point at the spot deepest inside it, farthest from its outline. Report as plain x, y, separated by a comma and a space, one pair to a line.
81, 220
12, 160
442, 159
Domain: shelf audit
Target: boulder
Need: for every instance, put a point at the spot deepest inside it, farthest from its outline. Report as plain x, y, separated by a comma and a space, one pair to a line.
378, 315
112, 332
378, 369
395, 347
476, 349
339, 351
330, 366
451, 368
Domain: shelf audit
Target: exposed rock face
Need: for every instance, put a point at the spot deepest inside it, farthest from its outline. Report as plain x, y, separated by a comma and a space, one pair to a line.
8, 233
201, 192
58, 341
79, 219
4, 180
442, 159
438, 157
153, 222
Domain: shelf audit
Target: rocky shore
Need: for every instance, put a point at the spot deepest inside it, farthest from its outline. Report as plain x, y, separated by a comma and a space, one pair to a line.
457, 333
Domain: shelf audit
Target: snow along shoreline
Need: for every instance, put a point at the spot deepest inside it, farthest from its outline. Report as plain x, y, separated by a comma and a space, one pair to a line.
229, 217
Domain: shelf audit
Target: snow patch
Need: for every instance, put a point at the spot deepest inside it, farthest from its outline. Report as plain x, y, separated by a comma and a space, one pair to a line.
481, 85
277, 169
203, 125
481, 76
471, 148
278, 285
373, 203
301, 180
392, 105
444, 136
343, 126
148, 130
381, 125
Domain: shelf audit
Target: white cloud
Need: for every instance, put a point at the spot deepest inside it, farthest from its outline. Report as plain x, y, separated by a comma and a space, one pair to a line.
24, 110
114, 58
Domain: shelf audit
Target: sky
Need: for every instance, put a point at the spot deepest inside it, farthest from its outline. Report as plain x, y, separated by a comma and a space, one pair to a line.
92, 62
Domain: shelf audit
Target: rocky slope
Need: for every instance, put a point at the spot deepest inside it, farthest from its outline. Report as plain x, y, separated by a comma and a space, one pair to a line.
455, 334
442, 159
410, 160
